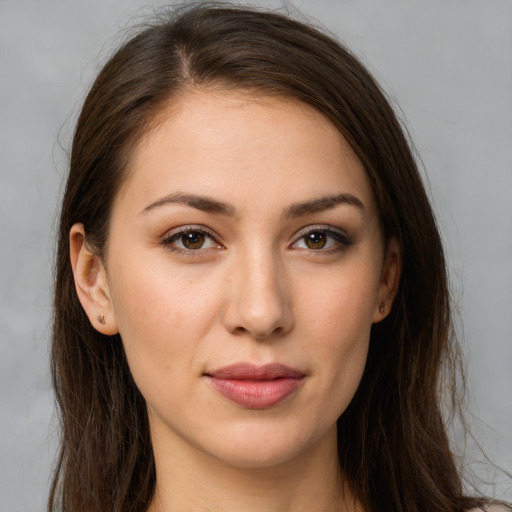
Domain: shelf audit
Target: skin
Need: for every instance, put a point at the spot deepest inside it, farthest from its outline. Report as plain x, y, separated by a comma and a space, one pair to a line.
254, 291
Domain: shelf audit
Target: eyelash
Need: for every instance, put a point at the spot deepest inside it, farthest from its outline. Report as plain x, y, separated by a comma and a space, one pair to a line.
343, 241
182, 231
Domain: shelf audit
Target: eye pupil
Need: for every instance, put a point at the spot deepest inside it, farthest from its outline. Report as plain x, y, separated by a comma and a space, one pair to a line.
193, 240
316, 240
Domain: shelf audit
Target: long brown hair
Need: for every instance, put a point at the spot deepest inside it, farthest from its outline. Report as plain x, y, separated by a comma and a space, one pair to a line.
393, 446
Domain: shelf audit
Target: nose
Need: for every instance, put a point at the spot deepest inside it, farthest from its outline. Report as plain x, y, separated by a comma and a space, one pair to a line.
259, 299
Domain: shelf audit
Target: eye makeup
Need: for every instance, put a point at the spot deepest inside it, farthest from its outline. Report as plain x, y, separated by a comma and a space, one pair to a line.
196, 239
190, 240
322, 238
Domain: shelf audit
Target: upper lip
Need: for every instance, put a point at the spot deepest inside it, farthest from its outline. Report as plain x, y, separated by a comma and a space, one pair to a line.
249, 371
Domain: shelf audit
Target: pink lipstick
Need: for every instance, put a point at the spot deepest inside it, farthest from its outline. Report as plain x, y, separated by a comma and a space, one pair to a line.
256, 387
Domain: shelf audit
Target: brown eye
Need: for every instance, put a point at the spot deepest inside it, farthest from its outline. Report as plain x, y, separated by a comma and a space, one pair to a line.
322, 240
193, 240
315, 240
190, 240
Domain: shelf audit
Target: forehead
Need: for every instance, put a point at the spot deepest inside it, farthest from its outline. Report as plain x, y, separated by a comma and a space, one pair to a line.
235, 145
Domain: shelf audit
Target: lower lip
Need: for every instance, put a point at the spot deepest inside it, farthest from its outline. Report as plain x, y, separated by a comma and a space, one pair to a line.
256, 394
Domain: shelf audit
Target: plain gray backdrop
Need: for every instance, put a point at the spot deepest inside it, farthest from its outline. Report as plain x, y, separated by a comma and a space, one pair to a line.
447, 63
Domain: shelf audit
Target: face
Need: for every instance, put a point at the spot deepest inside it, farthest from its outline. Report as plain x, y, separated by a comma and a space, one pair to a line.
244, 270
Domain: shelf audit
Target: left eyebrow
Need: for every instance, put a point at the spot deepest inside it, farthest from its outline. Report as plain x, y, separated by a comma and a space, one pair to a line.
202, 203
322, 204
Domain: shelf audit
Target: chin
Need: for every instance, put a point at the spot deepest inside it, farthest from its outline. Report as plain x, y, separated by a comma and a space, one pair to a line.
266, 447
254, 457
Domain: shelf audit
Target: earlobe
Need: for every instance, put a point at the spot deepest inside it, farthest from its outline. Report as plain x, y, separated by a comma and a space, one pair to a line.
91, 283
390, 280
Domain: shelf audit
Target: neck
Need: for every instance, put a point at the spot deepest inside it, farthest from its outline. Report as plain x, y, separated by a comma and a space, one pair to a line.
190, 480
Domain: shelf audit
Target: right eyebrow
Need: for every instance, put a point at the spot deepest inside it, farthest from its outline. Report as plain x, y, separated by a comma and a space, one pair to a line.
322, 204
203, 203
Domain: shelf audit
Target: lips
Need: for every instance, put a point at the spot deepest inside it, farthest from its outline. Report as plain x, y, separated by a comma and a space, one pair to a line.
256, 387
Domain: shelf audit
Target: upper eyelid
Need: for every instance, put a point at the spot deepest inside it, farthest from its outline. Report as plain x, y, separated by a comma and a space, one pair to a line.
319, 227
191, 228
340, 236
173, 235
301, 233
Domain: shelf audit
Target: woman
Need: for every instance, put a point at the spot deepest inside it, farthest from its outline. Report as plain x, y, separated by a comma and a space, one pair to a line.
251, 291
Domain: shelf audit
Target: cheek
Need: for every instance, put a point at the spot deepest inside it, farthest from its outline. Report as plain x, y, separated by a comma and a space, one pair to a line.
151, 295
340, 305
162, 317
338, 320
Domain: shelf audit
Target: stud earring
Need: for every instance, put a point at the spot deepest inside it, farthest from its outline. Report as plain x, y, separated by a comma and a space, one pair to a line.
101, 319
381, 308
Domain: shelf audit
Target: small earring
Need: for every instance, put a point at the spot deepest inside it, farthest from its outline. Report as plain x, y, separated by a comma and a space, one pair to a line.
101, 319
381, 308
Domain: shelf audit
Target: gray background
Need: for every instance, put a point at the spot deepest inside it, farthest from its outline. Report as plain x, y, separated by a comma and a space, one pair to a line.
447, 63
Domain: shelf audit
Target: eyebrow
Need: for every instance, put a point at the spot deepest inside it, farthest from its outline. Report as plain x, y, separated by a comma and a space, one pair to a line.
209, 205
322, 204
202, 203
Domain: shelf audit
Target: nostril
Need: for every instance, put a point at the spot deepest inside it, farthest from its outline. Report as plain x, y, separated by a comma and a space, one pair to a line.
259, 305
257, 334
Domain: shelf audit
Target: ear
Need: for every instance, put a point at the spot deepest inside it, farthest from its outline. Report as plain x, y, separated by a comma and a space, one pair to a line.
91, 283
389, 280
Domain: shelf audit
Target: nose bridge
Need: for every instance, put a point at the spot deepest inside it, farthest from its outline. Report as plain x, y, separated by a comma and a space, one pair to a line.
261, 299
